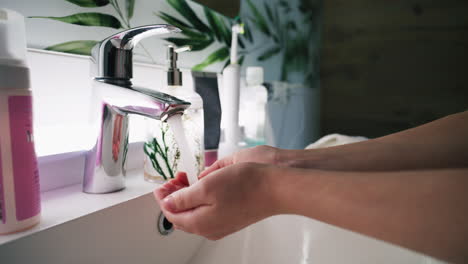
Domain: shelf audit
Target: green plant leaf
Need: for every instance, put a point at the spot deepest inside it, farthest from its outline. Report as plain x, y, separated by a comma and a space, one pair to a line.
259, 20
227, 63
309, 8
217, 56
284, 4
268, 11
197, 44
130, 5
269, 53
248, 32
296, 57
226, 33
172, 20
88, 19
187, 12
240, 61
215, 23
186, 29
281, 33
81, 47
291, 25
89, 3
241, 43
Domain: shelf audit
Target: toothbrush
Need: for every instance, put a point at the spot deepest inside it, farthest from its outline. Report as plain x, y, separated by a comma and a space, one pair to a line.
231, 87
236, 30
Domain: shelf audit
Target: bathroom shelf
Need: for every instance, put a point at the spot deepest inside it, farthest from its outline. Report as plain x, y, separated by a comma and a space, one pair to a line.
69, 203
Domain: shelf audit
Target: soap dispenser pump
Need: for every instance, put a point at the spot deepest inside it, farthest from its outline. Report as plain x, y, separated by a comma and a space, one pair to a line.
163, 158
174, 75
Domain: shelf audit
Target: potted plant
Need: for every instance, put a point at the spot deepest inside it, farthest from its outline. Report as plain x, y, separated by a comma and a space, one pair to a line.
289, 31
292, 28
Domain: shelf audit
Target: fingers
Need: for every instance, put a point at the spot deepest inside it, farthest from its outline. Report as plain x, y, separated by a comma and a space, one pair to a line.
164, 190
194, 221
185, 198
216, 166
181, 177
189, 220
213, 167
171, 186
183, 205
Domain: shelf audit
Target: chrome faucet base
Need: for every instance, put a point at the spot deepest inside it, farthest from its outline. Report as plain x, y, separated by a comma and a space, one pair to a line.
105, 163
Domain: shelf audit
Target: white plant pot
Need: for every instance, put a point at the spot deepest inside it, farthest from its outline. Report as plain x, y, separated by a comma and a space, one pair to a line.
293, 116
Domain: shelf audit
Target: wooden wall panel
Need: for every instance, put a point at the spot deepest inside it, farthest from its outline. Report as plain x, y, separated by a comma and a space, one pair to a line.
391, 65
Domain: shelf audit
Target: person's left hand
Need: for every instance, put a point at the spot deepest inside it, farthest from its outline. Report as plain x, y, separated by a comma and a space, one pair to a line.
220, 203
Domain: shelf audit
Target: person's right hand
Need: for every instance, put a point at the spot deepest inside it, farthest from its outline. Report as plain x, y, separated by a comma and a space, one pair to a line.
223, 202
259, 154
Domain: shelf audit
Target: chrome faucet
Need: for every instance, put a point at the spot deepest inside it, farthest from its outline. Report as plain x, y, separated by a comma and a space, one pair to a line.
114, 98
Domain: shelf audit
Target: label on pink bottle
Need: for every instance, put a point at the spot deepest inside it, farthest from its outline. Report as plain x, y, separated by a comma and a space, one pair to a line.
25, 171
2, 199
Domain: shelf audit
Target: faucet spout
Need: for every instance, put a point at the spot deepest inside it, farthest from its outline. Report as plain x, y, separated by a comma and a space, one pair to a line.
105, 165
139, 101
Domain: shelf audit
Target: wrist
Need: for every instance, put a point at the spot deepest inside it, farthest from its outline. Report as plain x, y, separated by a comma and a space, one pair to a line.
300, 158
271, 189
286, 157
292, 190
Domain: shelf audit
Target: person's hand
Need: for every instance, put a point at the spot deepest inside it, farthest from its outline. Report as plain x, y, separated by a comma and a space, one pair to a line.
221, 203
259, 154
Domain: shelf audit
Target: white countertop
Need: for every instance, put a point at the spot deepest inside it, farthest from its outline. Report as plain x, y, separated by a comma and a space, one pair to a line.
66, 204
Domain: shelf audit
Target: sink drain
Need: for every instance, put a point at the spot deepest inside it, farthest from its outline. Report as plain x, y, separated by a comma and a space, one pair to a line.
164, 226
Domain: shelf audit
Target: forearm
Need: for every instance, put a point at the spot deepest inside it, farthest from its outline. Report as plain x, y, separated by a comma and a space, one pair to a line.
440, 144
422, 210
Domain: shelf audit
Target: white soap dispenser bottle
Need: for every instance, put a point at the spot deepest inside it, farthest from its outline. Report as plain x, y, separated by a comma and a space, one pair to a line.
19, 176
254, 98
162, 153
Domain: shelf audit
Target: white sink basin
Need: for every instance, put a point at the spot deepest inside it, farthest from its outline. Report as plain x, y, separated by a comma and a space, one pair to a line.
128, 233
125, 233
295, 239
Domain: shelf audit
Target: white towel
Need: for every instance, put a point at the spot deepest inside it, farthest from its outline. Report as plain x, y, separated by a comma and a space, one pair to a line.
334, 140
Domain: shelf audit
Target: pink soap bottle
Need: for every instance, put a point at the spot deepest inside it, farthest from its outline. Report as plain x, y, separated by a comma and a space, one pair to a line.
19, 177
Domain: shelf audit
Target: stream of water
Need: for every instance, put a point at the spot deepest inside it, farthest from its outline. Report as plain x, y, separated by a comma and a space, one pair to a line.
188, 162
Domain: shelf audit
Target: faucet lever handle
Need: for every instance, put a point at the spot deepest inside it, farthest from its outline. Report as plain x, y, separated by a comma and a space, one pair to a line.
130, 38
113, 57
